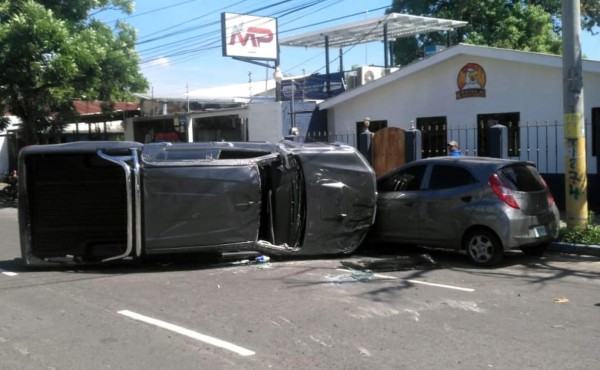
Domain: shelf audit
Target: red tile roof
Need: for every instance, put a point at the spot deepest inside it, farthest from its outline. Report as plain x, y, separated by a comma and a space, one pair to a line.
95, 107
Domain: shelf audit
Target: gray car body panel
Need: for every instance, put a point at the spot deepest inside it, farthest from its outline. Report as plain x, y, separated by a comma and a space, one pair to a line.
282, 198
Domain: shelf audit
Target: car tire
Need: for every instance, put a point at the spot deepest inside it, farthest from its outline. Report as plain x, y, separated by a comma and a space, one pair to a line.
535, 250
483, 248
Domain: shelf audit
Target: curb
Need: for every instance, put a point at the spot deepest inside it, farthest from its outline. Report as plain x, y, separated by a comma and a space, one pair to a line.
571, 248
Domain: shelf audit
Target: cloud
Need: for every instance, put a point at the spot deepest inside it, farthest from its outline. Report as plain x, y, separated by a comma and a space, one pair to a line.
161, 62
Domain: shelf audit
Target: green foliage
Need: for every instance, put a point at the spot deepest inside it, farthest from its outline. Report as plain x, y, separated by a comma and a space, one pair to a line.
53, 52
587, 234
4, 123
514, 24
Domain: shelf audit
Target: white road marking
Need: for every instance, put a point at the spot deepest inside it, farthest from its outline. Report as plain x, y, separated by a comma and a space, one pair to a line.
375, 275
441, 285
418, 282
8, 273
189, 333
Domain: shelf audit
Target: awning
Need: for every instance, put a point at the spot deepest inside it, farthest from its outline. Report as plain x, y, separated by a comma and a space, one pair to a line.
369, 30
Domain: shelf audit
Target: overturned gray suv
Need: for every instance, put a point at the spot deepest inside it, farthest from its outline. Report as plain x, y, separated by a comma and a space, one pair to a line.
90, 202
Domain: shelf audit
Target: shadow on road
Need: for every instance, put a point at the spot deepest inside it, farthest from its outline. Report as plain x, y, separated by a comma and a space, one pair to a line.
6, 202
414, 262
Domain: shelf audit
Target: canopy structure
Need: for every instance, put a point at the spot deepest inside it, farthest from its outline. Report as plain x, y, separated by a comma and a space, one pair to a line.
391, 25
375, 29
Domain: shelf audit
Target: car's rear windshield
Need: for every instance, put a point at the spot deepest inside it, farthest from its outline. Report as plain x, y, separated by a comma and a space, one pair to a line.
521, 177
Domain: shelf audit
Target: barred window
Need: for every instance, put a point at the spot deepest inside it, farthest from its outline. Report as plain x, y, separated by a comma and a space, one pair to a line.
486, 121
434, 135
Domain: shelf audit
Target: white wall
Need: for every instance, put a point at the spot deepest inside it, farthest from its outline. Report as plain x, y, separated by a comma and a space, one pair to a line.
535, 91
265, 122
3, 155
4, 145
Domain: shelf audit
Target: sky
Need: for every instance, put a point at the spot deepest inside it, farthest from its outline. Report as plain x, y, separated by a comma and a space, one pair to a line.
179, 41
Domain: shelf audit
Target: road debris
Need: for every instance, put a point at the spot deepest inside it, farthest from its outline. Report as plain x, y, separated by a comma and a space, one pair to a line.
396, 263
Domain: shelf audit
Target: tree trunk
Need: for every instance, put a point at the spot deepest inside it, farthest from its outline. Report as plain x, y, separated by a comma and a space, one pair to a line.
29, 131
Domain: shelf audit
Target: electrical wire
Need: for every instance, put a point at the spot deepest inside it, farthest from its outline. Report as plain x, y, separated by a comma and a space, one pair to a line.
217, 33
176, 52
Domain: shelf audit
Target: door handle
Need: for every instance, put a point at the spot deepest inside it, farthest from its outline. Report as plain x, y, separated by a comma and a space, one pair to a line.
245, 204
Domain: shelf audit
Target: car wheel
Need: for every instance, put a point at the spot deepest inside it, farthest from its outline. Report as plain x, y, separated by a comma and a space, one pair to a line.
535, 250
483, 248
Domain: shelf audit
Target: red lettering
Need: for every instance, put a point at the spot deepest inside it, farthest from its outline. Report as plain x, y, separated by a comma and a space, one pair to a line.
267, 34
264, 36
243, 40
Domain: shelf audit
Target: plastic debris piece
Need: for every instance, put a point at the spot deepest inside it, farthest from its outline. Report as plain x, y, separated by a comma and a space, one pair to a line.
354, 276
561, 300
262, 259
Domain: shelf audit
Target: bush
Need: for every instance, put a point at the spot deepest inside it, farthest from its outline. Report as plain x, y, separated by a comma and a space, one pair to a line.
589, 234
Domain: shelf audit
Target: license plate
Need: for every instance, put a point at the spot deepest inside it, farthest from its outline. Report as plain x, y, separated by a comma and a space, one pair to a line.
540, 231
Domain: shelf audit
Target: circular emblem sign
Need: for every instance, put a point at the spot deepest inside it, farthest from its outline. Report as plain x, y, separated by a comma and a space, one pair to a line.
471, 81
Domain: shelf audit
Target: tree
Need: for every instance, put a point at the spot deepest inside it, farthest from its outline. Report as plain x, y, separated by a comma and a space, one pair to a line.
531, 25
53, 52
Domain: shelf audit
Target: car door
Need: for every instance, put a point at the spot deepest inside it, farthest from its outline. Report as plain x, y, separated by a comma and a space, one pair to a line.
198, 206
397, 217
447, 201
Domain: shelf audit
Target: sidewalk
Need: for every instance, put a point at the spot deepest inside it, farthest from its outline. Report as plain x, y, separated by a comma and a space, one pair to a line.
570, 248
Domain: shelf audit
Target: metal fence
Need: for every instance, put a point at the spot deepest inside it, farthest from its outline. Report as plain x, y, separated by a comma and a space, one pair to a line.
541, 142
538, 142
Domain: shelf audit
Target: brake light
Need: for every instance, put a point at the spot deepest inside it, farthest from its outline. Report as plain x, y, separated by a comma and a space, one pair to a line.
550, 196
503, 192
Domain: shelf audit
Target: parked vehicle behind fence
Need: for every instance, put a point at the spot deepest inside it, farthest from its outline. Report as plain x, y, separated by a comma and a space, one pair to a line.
481, 205
103, 201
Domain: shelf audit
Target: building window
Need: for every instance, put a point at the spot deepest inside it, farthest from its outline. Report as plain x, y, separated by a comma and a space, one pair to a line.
486, 121
217, 128
433, 135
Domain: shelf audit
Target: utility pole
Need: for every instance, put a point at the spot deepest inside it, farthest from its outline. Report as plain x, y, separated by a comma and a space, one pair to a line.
574, 125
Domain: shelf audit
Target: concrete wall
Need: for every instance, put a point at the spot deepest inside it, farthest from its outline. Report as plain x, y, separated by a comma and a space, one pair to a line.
5, 164
3, 154
535, 91
265, 122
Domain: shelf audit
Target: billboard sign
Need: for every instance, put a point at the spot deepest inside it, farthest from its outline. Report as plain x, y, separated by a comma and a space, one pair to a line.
248, 36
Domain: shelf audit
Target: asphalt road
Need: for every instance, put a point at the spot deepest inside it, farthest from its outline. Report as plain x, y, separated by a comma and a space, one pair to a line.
529, 313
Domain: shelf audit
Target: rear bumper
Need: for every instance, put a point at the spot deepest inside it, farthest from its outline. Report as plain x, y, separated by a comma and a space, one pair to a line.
527, 230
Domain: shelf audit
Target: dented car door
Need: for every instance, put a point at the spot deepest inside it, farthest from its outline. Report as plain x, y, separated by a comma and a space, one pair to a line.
196, 206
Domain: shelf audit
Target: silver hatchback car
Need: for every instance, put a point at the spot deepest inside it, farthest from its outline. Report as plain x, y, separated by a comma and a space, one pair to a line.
481, 205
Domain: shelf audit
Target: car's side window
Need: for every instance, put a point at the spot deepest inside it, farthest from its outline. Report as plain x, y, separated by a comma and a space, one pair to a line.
406, 180
447, 177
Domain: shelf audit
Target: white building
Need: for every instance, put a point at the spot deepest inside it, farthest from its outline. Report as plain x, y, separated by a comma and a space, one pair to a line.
8, 151
458, 93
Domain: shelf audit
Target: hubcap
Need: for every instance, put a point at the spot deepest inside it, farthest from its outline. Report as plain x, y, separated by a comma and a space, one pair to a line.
481, 248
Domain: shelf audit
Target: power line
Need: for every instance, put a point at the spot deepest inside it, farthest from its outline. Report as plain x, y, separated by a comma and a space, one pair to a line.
151, 11
176, 33
217, 32
211, 39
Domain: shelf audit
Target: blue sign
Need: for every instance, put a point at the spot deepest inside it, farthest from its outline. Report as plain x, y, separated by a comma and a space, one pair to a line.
313, 87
